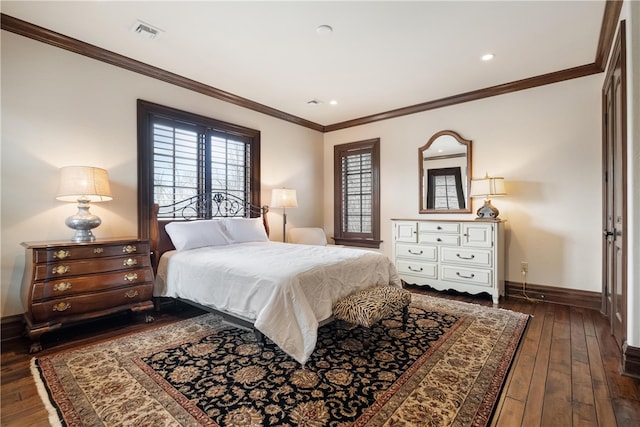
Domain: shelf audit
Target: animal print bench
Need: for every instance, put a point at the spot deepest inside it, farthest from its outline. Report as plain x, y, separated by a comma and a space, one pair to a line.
368, 306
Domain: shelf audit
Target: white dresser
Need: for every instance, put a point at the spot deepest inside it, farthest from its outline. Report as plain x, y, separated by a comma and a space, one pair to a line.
467, 256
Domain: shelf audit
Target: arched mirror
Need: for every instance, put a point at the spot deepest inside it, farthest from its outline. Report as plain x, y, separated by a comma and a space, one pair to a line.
445, 173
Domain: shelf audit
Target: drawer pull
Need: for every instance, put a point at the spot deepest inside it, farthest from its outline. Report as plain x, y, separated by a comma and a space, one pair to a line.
98, 250
132, 293
130, 277
60, 269
61, 306
465, 277
61, 254
439, 228
414, 253
415, 269
129, 249
438, 240
463, 257
130, 262
62, 286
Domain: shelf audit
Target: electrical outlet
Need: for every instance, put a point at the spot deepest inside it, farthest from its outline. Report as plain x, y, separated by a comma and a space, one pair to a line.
524, 267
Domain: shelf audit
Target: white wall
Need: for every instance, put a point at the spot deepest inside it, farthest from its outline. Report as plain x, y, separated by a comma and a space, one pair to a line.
545, 141
59, 109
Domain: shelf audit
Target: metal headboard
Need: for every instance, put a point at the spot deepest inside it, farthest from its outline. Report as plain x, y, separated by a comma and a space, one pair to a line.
202, 206
210, 205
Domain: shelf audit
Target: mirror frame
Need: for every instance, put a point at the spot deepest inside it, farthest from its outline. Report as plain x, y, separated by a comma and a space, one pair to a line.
422, 172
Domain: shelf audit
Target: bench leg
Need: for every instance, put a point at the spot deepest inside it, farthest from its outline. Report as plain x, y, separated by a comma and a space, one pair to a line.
366, 338
405, 316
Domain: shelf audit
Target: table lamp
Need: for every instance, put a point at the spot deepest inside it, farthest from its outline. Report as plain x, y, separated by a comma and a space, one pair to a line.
83, 184
487, 187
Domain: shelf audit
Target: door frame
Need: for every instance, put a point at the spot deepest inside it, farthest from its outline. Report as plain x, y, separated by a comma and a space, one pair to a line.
618, 55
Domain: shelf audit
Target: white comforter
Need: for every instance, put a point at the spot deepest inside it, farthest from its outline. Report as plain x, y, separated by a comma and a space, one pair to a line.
285, 289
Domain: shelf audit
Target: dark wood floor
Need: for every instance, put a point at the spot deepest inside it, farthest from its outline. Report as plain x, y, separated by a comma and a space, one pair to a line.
564, 374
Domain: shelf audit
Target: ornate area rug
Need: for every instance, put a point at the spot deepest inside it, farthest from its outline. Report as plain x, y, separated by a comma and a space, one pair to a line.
447, 367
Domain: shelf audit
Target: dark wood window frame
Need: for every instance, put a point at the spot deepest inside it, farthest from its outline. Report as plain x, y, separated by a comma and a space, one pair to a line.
341, 235
147, 113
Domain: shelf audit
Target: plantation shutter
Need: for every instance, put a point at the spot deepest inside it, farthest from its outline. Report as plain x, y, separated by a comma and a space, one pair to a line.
230, 165
189, 160
357, 190
177, 162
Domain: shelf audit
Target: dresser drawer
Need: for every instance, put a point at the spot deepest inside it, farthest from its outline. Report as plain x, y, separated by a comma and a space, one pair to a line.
425, 253
470, 276
469, 257
76, 268
79, 304
71, 286
81, 252
417, 268
438, 227
439, 239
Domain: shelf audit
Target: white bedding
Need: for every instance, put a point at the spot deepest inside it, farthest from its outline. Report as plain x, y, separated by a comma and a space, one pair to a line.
285, 289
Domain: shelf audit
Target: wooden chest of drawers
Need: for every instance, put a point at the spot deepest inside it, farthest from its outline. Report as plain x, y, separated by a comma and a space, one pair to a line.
66, 282
466, 256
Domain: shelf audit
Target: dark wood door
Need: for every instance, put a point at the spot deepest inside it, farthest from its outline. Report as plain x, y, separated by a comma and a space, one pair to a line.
614, 303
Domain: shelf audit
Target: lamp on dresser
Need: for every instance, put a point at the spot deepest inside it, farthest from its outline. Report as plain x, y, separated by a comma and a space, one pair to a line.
488, 187
83, 184
284, 198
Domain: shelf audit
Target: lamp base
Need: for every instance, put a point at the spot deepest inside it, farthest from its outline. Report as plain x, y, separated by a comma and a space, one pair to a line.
83, 221
487, 211
284, 225
82, 236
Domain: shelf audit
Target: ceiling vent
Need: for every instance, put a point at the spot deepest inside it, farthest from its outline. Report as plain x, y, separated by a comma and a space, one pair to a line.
145, 30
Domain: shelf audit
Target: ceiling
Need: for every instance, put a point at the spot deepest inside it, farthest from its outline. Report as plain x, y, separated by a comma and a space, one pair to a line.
380, 56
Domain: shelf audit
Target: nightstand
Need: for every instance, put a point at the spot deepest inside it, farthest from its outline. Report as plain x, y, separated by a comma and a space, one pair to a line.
67, 282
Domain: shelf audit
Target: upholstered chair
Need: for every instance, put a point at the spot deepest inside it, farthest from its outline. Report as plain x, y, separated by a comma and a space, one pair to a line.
307, 236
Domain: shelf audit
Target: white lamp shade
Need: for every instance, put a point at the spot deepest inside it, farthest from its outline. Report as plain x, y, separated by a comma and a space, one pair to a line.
84, 183
488, 187
283, 198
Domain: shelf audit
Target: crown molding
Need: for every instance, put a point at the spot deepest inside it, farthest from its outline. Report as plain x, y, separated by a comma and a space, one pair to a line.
53, 38
544, 79
610, 19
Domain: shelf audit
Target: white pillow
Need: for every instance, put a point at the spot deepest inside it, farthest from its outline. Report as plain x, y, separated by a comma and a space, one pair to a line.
242, 230
196, 234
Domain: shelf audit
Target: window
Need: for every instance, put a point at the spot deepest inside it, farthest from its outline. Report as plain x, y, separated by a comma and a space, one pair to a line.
182, 155
357, 193
445, 189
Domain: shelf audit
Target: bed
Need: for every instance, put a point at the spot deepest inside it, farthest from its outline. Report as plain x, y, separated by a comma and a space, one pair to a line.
226, 264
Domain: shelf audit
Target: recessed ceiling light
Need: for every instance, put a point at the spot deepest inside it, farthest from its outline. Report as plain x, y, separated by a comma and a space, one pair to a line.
333, 102
323, 30
488, 57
